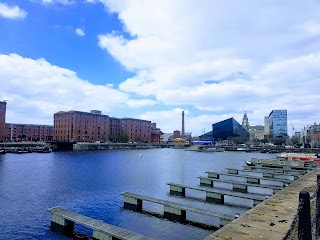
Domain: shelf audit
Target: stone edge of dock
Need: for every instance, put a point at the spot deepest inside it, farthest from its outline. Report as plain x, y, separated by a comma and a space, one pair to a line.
272, 218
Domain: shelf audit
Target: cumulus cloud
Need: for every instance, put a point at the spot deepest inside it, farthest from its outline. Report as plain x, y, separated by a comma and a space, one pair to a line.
190, 54
64, 2
80, 32
141, 103
38, 88
12, 12
171, 120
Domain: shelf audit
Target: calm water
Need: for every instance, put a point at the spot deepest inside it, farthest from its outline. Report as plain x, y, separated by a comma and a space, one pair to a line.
90, 183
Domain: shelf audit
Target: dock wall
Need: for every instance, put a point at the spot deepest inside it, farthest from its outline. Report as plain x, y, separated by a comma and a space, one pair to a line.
272, 218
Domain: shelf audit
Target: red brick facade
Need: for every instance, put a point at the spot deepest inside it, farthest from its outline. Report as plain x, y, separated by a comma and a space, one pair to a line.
137, 130
28, 132
114, 129
76, 126
156, 134
3, 106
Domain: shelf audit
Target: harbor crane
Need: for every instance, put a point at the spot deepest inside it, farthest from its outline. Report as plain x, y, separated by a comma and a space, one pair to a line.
292, 126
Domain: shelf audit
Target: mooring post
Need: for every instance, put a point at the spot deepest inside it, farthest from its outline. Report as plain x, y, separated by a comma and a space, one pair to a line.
304, 224
318, 208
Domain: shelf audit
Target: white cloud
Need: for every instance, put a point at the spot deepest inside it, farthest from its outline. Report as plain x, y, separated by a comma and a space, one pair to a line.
171, 120
80, 32
64, 2
38, 88
175, 49
12, 12
141, 103
310, 26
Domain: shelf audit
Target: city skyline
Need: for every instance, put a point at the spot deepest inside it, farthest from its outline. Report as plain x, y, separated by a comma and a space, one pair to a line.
152, 60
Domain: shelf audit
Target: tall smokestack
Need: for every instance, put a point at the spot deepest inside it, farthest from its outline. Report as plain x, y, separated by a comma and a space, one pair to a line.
182, 132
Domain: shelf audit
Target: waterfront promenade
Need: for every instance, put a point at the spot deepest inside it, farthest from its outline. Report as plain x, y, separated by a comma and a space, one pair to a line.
272, 218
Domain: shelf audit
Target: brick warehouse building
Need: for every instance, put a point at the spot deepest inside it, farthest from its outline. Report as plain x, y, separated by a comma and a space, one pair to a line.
3, 106
76, 126
136, 129
79, 126
28, 132
22, 132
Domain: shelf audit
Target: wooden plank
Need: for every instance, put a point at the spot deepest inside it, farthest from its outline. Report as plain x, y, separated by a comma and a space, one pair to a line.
111, 230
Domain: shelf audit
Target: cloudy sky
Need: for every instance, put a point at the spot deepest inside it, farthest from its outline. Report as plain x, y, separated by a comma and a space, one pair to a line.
153, 59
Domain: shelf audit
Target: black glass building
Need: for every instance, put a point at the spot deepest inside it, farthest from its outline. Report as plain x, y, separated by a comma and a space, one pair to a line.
226, 129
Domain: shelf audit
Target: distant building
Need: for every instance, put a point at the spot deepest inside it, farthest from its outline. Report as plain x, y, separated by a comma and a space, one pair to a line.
278, 127
28, 132
256, 132
266, 126
245, 122
22, 132
114, 127
137, 130
305, 135
176, 134
156, 134
315, 135
3, 106
226, 130
77, 126
297, 134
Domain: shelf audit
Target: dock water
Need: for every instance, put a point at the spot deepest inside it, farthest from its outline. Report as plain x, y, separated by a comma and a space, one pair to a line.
271, 193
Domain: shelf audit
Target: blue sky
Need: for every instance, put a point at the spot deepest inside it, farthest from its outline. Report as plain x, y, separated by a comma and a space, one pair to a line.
153, 59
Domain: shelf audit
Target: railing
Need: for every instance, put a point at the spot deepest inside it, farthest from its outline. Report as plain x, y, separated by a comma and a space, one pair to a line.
306, 223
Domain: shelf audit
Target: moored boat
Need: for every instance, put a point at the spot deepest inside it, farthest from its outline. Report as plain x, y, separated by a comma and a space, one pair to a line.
299, 156
215, 149
39, 149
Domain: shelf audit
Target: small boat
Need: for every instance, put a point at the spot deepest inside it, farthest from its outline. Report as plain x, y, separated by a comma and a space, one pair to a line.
214, 149
16, 150
38, 149
2, 151
243, 149
249, 163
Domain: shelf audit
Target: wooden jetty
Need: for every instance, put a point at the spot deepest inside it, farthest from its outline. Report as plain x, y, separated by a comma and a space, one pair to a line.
250, 179
172, 211
236, 186
63, 221
220, 196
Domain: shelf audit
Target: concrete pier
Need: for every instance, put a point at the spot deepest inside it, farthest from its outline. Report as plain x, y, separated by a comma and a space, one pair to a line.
264, 174
250, 179
63, 221
271, 219
132, 203
178, 212
178, 191
61, 225
222, 196
174, 214
276, 163
239, 186
260, 168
